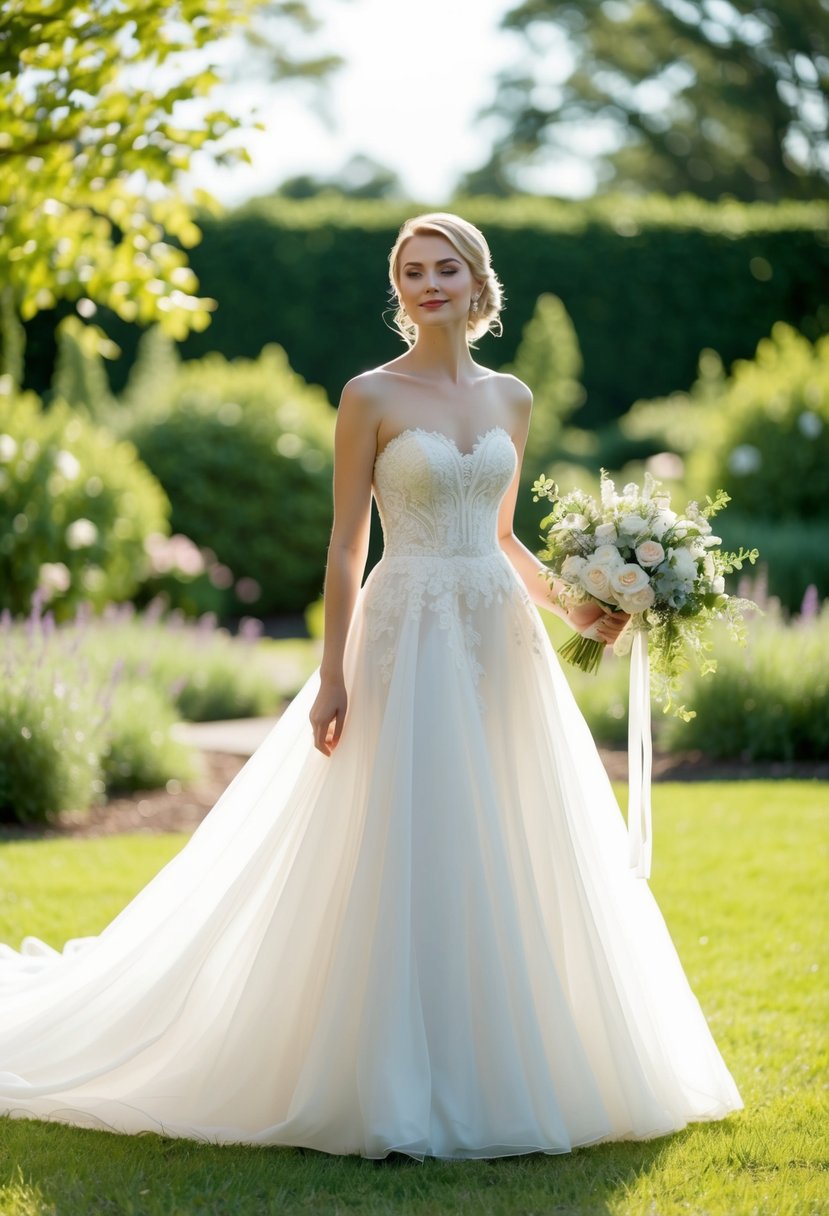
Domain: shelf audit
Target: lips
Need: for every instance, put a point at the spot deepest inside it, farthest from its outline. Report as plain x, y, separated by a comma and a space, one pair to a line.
433, 303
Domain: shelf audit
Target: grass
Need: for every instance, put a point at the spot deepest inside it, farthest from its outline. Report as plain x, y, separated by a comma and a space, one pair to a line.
739, 872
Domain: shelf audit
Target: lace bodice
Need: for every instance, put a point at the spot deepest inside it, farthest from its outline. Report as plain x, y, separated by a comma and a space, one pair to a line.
436, 499
439, 511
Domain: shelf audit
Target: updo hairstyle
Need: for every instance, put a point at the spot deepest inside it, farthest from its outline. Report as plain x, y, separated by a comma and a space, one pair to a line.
471, 244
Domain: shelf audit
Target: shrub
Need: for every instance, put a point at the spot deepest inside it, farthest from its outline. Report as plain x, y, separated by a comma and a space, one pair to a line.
141, 752
88, 707
244, 451
52, 725
767, 431
768, 702
76, 507
201, 670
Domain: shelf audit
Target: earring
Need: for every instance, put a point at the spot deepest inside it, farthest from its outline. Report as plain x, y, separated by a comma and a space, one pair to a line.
474, 303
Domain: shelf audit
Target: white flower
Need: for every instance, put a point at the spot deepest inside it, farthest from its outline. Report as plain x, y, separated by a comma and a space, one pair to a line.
606, 533
628, 579
638, 601
650, 553
595, 579
662, 522
8, 448
572, 523
683, 563
745, 458
52, 577
608, 493
633, 524
718, 584
708, 566
81, 533
572, 566
607, 555
67, 465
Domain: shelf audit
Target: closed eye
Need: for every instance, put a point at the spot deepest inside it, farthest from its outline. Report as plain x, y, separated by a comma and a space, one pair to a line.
414, 274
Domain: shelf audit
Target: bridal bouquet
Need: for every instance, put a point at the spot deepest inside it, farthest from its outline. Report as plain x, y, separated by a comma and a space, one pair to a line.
632, 552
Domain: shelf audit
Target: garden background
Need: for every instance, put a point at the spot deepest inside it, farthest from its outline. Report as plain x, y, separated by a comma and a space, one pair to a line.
168, 389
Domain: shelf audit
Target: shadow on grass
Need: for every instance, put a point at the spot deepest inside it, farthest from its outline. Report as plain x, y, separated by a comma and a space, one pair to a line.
73, 1172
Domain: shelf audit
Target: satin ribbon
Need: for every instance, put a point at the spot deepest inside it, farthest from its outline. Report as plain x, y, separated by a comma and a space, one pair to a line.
640, 757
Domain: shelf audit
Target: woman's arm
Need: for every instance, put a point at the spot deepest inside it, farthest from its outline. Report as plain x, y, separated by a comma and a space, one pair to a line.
532, 572
355, 445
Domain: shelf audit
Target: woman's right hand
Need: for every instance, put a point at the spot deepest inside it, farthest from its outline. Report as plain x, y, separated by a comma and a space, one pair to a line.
327, 715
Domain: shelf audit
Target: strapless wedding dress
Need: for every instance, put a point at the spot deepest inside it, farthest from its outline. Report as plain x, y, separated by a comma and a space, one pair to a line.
430, 942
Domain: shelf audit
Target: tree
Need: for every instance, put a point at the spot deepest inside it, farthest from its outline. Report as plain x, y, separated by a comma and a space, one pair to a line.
707, 96
94, 95
360, 177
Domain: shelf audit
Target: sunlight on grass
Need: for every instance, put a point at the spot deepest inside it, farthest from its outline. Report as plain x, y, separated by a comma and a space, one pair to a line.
739, 871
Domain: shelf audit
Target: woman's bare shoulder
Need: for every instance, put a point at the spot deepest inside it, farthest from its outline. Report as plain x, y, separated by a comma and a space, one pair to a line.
515, 391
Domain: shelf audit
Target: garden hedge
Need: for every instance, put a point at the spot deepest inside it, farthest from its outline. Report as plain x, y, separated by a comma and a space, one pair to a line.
648, 282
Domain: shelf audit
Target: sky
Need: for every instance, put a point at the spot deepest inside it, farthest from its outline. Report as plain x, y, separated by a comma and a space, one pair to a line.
414, 78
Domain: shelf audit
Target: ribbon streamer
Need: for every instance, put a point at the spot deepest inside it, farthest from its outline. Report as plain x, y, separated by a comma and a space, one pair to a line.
640, 757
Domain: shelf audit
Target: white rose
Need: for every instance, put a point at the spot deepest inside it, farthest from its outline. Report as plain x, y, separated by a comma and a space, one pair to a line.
606, 533
572, 566
633, 524
595, 579
81, 533
639, 601
607, 555
649, 553
628, 579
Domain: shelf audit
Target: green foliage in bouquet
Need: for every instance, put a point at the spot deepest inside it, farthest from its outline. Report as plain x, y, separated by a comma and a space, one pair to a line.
244, 450
76, 508
631, 552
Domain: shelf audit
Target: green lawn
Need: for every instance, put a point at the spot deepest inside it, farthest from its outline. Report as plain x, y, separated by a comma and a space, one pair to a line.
740, 873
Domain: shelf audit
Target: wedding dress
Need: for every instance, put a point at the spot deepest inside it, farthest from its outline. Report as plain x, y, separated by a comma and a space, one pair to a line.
430, 942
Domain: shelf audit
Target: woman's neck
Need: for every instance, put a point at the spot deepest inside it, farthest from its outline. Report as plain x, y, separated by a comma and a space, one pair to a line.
442, 354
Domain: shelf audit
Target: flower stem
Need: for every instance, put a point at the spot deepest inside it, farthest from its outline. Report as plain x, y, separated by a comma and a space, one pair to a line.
584, 653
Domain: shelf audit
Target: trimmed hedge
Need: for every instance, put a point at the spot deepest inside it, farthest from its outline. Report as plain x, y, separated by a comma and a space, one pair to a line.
648, 283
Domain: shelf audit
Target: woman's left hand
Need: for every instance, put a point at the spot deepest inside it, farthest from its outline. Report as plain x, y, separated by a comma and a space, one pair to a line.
601, 624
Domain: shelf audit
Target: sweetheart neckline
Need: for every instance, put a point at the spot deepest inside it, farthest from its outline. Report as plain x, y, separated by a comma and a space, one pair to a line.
422, 430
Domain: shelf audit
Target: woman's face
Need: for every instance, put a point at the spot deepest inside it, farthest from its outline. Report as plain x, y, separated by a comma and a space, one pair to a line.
435, 284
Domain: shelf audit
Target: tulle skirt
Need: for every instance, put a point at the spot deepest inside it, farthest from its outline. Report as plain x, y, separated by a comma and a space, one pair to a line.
429, 943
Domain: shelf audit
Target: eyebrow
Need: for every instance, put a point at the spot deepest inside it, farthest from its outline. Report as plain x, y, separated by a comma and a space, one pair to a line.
441, 262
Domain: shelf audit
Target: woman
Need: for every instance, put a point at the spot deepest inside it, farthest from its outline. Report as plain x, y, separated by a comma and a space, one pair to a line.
417, 931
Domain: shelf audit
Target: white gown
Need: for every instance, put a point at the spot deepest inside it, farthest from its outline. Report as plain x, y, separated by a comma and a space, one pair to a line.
430, 942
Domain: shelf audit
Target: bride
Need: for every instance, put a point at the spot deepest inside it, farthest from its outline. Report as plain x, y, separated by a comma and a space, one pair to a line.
412, 927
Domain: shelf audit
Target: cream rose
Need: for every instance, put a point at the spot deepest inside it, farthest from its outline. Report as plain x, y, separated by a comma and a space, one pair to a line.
595, 578
650, 553
639, 601
605, 533
628, 579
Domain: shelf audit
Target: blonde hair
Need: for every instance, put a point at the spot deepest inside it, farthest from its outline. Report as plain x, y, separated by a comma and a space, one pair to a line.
471, 244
